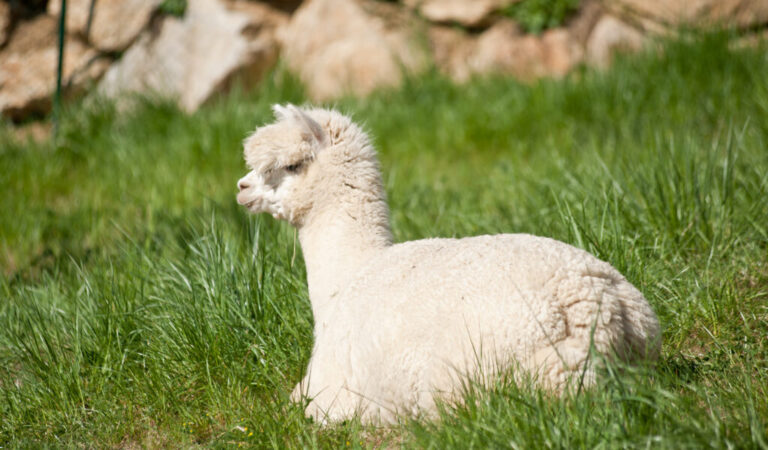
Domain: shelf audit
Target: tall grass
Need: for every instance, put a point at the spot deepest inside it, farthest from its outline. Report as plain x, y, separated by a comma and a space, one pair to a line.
139, 305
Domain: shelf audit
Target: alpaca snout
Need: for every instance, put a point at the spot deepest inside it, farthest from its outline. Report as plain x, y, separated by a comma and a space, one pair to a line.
243, 196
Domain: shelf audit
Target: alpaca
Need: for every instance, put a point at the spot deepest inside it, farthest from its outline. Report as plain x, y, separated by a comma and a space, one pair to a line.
398, 326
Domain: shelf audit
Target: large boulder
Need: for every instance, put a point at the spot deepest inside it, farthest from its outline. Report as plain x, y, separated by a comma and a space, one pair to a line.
340, 47
610, 36
28, 67
739, 13
193, 58
115, 24
468, 13
505, 49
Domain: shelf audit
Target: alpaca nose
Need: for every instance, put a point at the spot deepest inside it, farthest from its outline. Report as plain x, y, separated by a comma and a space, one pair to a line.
242, 184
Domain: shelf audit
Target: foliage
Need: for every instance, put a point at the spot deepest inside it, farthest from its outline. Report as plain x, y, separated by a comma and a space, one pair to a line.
173, 7
535, 16
141, 306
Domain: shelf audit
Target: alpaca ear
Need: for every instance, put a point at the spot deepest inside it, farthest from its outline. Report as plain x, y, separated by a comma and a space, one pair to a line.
310, 125
281, 112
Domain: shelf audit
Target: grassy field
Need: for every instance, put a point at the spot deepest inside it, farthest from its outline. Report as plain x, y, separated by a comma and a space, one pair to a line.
141, 306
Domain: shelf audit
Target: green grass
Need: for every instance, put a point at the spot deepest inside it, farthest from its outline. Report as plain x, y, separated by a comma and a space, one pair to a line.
140, 306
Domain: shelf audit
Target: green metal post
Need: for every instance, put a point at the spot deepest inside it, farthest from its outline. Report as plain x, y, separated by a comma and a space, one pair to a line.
90, 20
60, 67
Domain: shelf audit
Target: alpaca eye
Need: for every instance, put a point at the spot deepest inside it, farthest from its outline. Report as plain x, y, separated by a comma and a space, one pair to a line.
293, 168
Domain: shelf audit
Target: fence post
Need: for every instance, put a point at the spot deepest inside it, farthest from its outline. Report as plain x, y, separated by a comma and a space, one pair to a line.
59, 68
90, 20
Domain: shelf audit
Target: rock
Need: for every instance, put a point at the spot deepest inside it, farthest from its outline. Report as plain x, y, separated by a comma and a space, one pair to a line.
5, 22
115, 24
504, 49
610, 36
581, 24
560, 52
77, 14
28, 68
193, 58
468, 13
738, 13
451, 49
342, 47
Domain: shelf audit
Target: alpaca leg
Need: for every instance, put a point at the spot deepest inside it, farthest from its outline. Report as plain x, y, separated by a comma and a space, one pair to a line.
325, 406
334, 405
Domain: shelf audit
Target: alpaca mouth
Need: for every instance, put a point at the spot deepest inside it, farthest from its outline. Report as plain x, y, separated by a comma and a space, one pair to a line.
244, 200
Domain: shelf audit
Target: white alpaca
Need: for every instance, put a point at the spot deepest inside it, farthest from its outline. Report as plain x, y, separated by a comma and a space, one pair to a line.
398, 325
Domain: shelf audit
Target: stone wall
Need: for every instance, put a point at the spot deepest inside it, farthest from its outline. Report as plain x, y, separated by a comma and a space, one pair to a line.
336, 47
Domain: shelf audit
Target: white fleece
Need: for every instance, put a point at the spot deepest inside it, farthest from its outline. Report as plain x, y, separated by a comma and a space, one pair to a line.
398, 325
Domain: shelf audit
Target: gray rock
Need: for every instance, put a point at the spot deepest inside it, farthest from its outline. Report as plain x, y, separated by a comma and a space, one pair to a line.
468, 13
115, 24
28, 68
342, 47
610, 36
200, 55
504, 49
655, 13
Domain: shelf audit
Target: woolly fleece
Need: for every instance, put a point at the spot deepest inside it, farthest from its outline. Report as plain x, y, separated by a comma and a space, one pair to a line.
397, 326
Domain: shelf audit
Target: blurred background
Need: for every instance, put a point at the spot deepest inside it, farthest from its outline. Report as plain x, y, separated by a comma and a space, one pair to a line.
192, 50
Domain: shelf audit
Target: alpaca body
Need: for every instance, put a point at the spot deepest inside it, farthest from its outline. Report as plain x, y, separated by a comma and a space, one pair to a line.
398, 325
420, 316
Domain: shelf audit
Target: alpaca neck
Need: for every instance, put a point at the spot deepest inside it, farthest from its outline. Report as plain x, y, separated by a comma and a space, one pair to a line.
339, 240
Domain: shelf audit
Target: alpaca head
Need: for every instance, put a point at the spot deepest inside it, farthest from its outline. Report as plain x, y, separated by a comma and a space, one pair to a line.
280, 156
